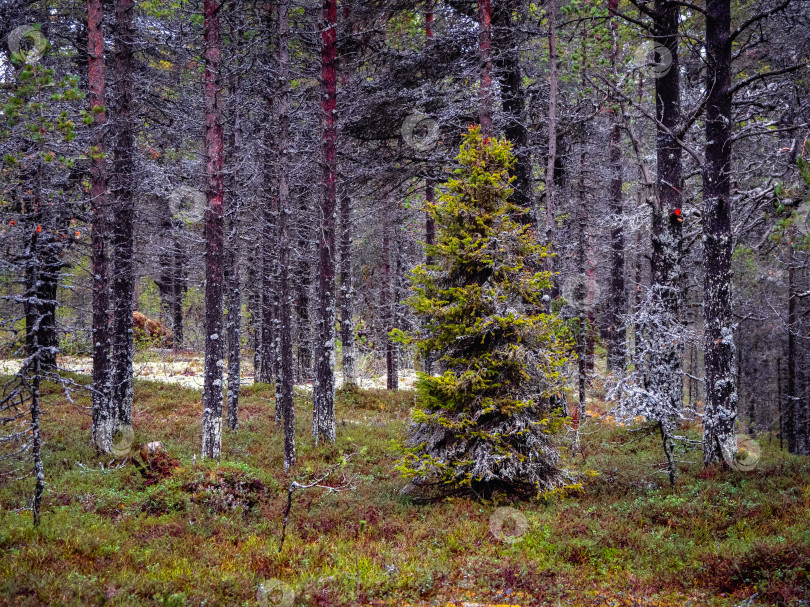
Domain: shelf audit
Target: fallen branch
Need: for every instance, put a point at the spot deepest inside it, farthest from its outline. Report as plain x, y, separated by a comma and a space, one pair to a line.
346, 484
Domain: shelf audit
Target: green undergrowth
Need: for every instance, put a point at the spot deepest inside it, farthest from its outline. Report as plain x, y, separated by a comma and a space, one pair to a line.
174, 530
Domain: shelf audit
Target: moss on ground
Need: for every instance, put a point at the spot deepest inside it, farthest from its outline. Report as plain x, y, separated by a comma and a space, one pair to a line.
208, 534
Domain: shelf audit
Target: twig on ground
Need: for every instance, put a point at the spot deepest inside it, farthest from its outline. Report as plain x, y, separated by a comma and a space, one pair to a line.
346, 484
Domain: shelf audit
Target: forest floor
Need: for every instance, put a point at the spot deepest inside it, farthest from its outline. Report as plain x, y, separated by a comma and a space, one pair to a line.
175, 531
187, 369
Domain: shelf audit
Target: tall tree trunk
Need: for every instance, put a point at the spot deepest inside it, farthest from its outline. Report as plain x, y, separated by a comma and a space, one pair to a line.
254, 298
721, 390
323, 412
214, 338
663, 350
388, 301
103, 409
430, 191
430, 224
302, 301
552, 121
789, 411
123, 283
36, 442
346, 285
582, 267
346, 292
43, 274
32, 371
485, 58
286, 377
266, 371
172, 283
179, 261
617, 307
513, 94
232, 287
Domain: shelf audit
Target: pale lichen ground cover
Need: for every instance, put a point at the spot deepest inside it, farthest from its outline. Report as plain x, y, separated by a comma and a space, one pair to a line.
189, 372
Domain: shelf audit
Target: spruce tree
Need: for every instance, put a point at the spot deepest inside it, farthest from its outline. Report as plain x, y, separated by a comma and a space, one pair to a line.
487, 423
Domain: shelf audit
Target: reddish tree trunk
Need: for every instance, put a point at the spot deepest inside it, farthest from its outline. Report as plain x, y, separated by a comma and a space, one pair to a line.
323, 415
103, 409
214, 338
485, 57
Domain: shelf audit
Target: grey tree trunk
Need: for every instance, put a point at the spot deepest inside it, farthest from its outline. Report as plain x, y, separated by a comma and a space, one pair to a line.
347, 293
507, 62
103, 409
302, 301
267, 359
284, 391
323, 393
617, 298
214, 220
663, 350
617, 306
552, 131
123, 280
32, 371
788, 415
388, 300
720, 413
233, 303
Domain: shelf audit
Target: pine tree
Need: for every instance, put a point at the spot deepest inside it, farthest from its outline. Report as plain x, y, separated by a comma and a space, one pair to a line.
485, 424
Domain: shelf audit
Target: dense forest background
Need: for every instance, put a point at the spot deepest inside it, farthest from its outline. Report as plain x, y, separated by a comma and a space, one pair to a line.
253, 187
